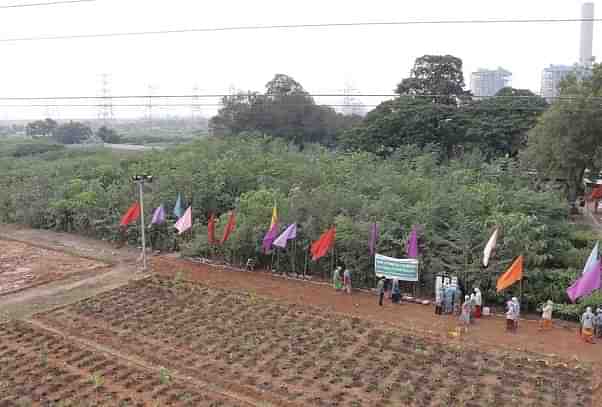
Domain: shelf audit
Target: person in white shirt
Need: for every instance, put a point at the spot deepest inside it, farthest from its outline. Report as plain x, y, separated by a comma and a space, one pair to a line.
546, 315
478, 303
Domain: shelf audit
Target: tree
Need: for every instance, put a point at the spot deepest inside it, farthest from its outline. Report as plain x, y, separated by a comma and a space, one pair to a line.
285, 111
406, 121
439, 75
108, 135
568, 138
499, 125
41, 127
72, 133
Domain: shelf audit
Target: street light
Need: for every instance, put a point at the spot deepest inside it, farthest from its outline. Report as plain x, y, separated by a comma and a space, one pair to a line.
140, 179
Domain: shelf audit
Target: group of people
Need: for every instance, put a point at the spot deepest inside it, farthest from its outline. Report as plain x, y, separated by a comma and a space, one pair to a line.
448, 301
394, 292
591, 324
342, 282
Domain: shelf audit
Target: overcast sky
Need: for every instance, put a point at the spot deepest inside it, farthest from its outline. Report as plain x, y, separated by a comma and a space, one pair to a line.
373, 59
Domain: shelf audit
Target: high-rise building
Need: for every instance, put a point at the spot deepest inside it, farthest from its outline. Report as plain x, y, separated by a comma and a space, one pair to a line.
551, 78
554, 74
485, 82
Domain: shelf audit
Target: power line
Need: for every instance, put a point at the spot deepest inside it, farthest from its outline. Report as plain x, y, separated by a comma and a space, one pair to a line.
296, 27
51, 3
251, 95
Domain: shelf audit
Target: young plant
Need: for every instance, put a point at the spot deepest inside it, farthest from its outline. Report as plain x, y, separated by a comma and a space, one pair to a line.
164, 376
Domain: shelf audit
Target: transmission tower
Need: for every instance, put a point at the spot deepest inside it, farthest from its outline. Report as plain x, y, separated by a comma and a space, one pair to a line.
149, 105
105, 108
195, 106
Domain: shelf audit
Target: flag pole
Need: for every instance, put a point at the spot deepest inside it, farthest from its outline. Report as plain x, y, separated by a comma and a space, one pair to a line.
139, 179
305, 266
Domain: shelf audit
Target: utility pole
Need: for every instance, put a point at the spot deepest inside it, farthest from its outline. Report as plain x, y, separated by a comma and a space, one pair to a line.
140, 179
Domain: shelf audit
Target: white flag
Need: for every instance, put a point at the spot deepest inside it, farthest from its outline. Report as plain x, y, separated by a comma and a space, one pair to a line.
185, 222
489, 248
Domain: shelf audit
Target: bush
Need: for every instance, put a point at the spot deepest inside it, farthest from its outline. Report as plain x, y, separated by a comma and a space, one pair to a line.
23, 150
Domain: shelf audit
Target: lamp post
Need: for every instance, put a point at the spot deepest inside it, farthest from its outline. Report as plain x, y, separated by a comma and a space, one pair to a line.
140, 179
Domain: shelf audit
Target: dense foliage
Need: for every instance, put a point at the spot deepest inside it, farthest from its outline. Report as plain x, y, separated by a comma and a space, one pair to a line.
457, 204
433, 108
284, 111
568, 138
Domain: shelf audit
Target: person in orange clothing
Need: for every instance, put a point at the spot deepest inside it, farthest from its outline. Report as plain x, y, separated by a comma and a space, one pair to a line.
587, 325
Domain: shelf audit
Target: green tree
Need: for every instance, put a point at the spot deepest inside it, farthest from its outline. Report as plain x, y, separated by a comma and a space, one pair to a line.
499, 125
568, 138
108, 135
41, 127
439, 75
284, 111
407, 121
72, 133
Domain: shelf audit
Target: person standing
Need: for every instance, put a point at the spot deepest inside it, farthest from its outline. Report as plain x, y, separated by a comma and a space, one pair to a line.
478, 310
336, 279
465, 314
380, 290
546, 315
439, 300
347, 281
473, 302
395, 292
587, 325
512, 315
457, 299
598, 323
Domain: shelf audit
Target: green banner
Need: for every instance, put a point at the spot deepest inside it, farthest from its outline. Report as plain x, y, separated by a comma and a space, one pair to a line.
401, 269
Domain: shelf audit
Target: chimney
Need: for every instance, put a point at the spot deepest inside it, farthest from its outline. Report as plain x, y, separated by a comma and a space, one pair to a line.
587, 35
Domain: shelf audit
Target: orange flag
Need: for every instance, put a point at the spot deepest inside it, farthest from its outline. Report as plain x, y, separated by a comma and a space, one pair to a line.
229, 227
131, 215
514, 274
211, 229
320, 247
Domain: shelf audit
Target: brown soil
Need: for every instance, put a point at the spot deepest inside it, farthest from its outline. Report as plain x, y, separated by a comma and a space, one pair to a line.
23, 266
292, 354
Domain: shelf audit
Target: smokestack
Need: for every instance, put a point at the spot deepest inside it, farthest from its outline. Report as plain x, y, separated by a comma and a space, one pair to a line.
587, 34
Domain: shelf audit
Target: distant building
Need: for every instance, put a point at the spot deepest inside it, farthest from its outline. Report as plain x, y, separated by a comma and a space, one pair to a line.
551, 78
554, 74
486, 82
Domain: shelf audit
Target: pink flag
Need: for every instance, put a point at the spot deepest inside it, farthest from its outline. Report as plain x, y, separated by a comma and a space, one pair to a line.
412, 246
185, 222
586, 284
288, 234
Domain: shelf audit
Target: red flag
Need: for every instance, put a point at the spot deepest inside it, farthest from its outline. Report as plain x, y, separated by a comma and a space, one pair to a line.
211, 229
131, 215
229, 227
320, 247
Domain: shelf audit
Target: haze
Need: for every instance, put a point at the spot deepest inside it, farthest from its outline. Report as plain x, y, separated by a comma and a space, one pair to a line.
371, 59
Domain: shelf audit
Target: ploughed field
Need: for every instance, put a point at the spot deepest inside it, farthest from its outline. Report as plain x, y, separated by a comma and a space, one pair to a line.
23, 266
221, 347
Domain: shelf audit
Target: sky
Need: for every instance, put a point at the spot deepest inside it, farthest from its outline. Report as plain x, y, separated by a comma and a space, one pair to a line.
323, 60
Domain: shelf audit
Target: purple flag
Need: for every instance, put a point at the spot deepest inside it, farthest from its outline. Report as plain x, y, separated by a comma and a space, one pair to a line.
288, 234
269, 237
586, 284
412, 245
373, 239
158, 216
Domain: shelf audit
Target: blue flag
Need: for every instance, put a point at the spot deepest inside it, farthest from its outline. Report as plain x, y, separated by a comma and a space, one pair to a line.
178, 210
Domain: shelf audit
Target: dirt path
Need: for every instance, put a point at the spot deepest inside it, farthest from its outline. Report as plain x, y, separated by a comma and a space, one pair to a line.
121, 264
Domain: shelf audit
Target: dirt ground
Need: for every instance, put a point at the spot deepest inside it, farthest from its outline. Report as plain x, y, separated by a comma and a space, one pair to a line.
490, 332
254, 339
23, 266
